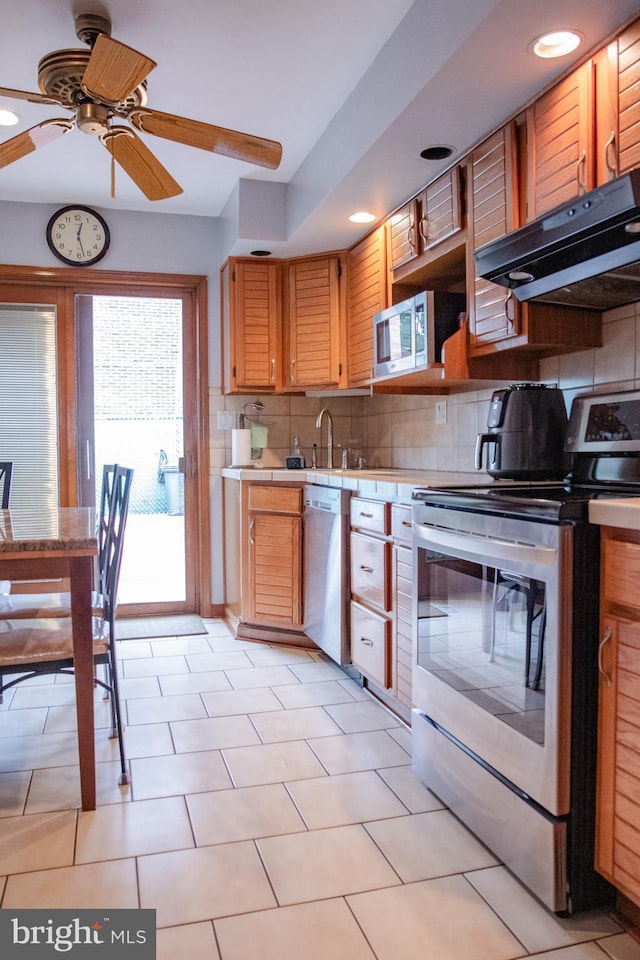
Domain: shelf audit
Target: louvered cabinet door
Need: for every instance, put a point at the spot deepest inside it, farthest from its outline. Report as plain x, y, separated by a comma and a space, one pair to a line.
560, 138
314, 322
402, 235
628, 50
367, 295
491, 172
256, 312
440, 209
275, 558
617, 854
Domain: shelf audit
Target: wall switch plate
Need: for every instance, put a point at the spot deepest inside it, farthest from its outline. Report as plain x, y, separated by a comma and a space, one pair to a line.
227, 419
441, 411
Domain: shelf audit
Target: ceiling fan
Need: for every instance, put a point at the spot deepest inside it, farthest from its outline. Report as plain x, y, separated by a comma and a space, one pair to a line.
106, 84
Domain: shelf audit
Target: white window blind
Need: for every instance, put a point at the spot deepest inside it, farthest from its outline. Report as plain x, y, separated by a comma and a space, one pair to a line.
28, 409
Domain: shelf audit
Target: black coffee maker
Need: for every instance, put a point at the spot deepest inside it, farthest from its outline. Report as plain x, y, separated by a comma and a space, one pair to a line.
527, 424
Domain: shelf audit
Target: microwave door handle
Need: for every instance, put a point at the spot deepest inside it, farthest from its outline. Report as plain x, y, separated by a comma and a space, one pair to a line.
470, 547
482, 439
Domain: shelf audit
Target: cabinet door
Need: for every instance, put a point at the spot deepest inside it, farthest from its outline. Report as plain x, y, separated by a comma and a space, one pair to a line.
492, 180
370, 644
367, 295
252, 323
275, 569
440, 209
314, 322
560, 136
370, 571
618, 793
402, 235
402, 609
628, 50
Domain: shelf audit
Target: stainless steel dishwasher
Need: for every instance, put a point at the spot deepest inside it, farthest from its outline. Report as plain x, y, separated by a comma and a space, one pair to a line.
326, 569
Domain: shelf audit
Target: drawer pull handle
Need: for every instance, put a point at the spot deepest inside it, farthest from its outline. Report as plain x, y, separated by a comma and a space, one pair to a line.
369, 516
603, 673
406, 523
366, 569
365, 640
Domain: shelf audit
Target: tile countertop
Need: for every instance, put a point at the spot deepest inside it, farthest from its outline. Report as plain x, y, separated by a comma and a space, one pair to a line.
383, 482
618, 512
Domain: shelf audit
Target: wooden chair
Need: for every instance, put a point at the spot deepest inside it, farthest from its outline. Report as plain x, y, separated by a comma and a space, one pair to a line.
31, 606
6, 469
32, 646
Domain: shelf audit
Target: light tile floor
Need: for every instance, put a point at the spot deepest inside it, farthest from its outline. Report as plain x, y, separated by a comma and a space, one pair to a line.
272, 813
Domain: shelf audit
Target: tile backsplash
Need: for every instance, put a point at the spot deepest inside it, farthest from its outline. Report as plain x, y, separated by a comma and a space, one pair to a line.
404, 432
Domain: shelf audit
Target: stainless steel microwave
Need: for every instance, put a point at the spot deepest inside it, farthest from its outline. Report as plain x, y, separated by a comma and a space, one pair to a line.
410, 334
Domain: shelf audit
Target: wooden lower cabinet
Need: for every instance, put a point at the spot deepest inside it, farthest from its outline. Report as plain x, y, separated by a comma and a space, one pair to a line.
618, 788
402, 598
272, 556
381, 591
370, 644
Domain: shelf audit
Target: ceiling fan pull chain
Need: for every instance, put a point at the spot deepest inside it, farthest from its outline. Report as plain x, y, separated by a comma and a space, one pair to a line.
113, 172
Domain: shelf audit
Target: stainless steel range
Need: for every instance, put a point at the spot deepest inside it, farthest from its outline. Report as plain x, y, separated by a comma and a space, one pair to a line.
506, 584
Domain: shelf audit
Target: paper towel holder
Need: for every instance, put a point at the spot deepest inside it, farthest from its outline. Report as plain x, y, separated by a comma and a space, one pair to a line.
257, 408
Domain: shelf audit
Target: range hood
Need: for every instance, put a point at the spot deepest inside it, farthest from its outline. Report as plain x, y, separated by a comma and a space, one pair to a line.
584, 253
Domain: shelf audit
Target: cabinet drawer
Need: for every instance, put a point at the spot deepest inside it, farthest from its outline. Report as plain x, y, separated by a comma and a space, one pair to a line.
622, 572
370, 644
370, 570
369, 515
275, 499
401, 522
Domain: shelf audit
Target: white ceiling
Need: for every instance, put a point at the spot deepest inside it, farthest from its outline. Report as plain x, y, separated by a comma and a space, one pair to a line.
353, 89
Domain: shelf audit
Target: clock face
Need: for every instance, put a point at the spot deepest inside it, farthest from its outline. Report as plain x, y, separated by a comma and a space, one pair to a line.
78, 236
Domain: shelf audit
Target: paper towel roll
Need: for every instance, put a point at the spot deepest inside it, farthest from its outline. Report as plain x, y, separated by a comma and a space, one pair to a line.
240, 448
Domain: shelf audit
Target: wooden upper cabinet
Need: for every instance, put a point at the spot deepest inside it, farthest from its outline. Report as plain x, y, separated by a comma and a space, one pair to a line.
366, 296
251, 307
586, 130
440, 209
560, 140
313, 325
402, 235
493, 211
426, 220
618, 105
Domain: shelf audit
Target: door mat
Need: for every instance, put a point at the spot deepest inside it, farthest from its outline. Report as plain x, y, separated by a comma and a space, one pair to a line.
141, 628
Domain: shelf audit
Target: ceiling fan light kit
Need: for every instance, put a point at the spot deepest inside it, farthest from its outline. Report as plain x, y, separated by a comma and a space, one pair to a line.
106, 85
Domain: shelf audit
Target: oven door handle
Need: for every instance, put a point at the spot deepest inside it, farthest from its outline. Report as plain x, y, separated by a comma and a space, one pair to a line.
490, 549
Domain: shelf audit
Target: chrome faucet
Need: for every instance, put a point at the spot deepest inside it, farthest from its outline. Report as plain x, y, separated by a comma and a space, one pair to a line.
322, 413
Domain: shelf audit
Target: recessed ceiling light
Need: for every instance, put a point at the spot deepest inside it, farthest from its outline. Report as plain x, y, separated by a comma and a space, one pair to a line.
362, 216
556, 44
438, 151
8, 118
261, 253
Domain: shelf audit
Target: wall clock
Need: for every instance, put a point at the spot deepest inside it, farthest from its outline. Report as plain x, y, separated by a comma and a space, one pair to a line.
78, 235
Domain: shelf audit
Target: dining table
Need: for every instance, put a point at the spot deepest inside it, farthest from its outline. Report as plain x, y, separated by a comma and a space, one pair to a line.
61, 543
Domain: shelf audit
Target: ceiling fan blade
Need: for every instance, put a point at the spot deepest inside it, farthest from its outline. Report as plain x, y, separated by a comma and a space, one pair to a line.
194, 133
32, 139
114, 70
143, 167
25, 95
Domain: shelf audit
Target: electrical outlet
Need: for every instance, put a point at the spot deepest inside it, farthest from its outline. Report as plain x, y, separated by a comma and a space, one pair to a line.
441, 411
227, 419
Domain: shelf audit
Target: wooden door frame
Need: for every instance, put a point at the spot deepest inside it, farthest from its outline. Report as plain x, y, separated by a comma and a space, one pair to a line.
63, 284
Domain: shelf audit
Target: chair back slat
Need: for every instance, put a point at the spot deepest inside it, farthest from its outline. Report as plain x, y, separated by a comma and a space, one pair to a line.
6, 469
114, 538
108, 476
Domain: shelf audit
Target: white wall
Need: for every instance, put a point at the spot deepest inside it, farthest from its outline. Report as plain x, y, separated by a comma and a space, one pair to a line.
140, 242
149, 243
